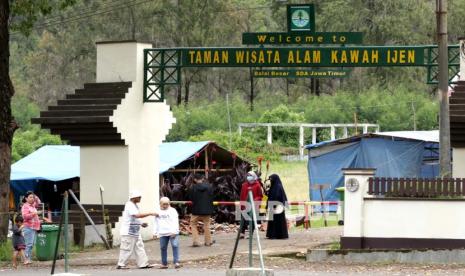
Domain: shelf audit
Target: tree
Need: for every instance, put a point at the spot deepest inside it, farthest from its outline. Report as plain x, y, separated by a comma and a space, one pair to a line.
19, 15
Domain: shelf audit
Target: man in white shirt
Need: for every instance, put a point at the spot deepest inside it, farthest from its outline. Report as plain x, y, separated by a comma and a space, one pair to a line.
131, 240
166, 228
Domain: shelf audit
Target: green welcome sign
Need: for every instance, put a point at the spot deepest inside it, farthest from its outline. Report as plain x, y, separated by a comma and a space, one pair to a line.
308, 56
301, 29
163, 66
302, 38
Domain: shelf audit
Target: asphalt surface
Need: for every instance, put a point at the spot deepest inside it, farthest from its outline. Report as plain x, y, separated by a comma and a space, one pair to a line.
110, 271
209, 261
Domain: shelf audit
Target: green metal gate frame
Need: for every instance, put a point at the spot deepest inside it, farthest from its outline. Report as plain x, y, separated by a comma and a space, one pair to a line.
432, 56
162, 66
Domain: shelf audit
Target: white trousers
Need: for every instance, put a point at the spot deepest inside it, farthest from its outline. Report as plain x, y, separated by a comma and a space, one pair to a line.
130, 245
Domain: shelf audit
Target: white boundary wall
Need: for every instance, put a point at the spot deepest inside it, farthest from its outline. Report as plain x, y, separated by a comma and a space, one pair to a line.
370, 217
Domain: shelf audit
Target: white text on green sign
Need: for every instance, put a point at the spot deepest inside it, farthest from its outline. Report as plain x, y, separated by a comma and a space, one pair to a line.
303, 73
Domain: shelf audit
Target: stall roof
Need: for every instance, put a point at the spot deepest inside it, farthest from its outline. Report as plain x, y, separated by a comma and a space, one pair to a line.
172, 154
392, 154
426, 136
53, 163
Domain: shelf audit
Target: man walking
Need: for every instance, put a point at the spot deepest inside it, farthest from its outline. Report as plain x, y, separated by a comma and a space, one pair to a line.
131, 240
201, 195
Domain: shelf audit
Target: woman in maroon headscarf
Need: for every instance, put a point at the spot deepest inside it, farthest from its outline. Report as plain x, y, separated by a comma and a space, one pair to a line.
251, 184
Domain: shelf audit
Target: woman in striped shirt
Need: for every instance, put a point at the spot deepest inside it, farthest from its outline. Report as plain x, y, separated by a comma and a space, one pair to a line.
31, 224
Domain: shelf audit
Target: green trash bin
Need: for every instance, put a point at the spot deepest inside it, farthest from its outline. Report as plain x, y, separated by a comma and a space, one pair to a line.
46, 242
341, 191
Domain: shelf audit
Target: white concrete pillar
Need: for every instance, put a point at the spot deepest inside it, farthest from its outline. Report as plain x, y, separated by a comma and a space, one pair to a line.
462, 59
333, 133
345, 134
301, 142
458, 165
240, 130
314, 135
269, 137
365, 129
143, 127
356, 188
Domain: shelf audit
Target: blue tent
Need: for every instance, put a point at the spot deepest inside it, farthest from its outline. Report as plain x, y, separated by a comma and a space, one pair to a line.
392, 154
58, 163
50, 163
172, 154
53, 163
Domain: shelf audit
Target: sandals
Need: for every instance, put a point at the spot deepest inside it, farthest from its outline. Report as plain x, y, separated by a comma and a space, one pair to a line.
163, 267
122, 267
177, 265
147, 266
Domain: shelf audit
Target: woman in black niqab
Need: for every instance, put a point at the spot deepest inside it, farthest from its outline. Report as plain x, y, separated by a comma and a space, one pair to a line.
277, 227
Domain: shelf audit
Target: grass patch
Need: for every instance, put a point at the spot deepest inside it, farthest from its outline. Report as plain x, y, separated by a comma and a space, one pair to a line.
6, 251
294, 176
336, 245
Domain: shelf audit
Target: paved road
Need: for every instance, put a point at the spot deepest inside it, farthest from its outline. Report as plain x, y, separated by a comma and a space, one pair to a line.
212, 261
298, 241
110, 271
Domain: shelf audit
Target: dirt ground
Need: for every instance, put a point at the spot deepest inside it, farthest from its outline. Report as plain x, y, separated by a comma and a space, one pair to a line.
280, 255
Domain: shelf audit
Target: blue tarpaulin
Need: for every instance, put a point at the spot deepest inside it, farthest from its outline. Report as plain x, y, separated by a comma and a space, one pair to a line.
53, 163
172, 154
56, 163
392, 154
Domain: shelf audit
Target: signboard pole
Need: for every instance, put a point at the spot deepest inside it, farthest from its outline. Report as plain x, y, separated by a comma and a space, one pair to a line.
443, 87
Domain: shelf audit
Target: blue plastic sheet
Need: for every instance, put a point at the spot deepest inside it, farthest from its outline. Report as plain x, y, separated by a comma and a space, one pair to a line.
53, 163
172, 154
390, 157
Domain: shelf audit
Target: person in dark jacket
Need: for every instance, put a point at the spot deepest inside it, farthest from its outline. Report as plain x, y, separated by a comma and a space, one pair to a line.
201, 195
277, 226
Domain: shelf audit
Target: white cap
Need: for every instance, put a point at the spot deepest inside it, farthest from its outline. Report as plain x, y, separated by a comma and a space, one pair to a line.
134, 194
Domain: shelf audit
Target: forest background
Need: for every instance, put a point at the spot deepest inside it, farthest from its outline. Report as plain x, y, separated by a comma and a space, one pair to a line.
59, 56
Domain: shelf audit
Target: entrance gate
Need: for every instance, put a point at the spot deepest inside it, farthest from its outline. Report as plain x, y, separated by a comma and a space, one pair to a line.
163, 66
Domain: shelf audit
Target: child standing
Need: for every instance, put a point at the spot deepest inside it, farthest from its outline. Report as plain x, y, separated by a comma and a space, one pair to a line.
166, 228
18, 241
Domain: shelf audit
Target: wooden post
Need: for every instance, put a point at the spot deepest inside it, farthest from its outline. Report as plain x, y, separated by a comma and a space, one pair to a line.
270, 135
107, 222
82, 230
306, 219
206, 162
301, 142
314, 135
